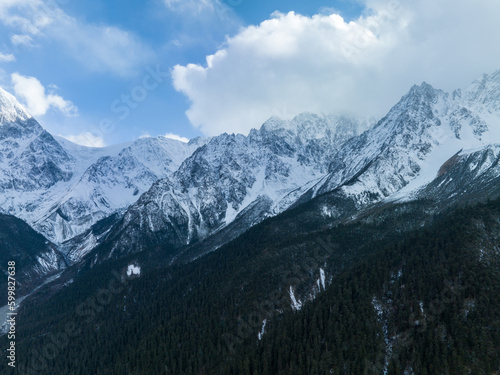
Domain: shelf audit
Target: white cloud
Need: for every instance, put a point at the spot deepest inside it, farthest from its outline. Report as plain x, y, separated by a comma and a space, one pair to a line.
324, 64
176, 137
7, 57
201, 22
19, 39
32, 93
101, 48
28, 15
86, 139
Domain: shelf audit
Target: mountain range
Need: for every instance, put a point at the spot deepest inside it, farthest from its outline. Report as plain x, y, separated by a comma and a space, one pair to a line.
161, 208
157, 190
242, 180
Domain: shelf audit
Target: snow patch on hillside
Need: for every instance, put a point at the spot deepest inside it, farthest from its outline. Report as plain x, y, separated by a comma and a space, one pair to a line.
133, 269
296, 304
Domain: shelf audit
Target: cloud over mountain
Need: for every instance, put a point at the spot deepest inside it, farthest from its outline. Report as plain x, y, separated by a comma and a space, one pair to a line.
293, 63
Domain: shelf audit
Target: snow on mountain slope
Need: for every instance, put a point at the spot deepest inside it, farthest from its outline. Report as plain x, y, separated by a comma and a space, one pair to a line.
232, 173
468, 176
85, 156
11, 110
30, 158
474, 120
111, 184
62, 189
194, 190
289, 162
483, 95
237, 179
35, 257
405, 150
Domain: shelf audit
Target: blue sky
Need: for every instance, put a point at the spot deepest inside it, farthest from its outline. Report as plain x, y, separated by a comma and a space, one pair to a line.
102, 72
170, 35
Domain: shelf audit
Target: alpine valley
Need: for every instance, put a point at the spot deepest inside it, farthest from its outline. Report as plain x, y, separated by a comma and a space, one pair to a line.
322, 244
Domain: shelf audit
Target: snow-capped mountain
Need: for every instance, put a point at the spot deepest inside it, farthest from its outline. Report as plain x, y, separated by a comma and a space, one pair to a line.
158, 192
111, 184
62, 189
405, 150
30, 158
468, 176
235, 175
286, 163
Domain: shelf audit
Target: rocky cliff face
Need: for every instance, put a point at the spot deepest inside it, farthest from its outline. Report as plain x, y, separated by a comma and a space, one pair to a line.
166, 193
235, 175
62, 189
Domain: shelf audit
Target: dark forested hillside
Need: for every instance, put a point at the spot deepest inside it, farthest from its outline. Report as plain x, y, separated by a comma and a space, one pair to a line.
35, 257
395, 297
425, 304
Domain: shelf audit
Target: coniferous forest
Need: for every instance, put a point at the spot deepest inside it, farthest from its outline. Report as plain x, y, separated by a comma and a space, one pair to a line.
397, 298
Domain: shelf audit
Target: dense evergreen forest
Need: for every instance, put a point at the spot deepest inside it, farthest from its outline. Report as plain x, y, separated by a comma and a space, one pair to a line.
397, 299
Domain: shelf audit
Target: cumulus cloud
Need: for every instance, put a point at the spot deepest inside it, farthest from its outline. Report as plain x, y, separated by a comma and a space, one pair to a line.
101, 48
86, 139
176, 137
292, 63
38, 102
7, 57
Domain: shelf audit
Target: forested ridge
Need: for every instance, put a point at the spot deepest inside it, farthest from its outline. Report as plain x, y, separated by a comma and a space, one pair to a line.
424, 301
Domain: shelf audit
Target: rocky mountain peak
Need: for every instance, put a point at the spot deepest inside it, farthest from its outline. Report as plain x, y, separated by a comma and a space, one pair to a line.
10, 109
275, 123
423, 94
485, 92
